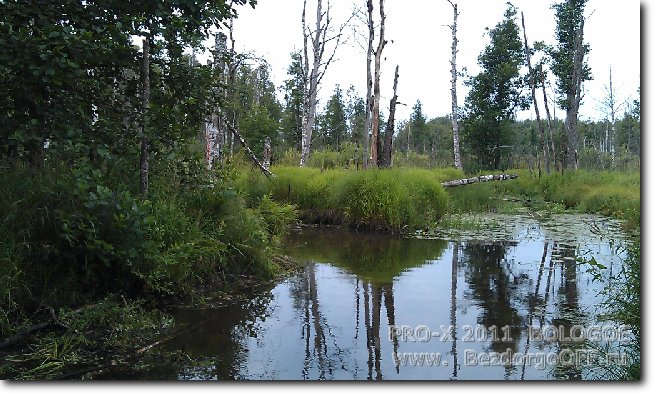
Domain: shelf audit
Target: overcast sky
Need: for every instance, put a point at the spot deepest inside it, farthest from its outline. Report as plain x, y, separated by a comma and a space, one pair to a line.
422, 40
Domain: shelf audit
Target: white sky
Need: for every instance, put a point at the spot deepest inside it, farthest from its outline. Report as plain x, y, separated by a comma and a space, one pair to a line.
422, 40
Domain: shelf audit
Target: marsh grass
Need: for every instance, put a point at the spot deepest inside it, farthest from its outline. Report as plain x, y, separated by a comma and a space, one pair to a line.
391, 200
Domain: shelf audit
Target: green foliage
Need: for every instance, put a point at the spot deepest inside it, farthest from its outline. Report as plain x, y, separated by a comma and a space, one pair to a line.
334, 121
495, 95
569, 19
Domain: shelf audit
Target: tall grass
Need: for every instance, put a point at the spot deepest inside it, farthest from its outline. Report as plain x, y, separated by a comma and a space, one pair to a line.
610, 193
394, 200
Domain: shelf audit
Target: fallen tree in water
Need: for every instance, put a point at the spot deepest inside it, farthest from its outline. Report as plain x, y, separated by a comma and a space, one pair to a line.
478, 179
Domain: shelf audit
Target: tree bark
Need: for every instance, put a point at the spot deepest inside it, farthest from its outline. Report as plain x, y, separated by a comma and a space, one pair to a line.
366, 127
532, 84
455, 107
145, 141
374, 137
387, 153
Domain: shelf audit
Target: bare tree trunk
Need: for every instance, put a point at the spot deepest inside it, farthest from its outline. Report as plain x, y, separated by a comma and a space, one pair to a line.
366, 128
612, 109
387, 152
549, 122
145, 141
214, 130
312, 99
455, 106
574, 100
532, 84
267, 153
374, 137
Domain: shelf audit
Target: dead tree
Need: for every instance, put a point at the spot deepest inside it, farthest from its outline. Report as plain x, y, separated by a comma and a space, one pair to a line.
215, 131
532, 84
374, 133
455, 106
320, 38
573, 98
366, 127
145, 141
549, 120
386, 159
478, 179
611, 106
267, 153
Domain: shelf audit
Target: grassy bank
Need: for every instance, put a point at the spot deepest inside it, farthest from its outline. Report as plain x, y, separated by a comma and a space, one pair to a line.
389, 200
413, 198
73, 237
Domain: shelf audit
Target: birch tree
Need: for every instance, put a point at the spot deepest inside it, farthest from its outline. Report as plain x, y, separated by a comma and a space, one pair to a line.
321, 38
455, 106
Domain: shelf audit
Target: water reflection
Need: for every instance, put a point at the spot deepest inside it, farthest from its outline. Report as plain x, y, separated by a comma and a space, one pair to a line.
332, 320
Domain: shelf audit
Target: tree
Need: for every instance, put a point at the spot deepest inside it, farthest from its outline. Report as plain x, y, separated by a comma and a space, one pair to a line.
291, 128
533, 79
335, 120
496, 93
418, 136
321, 37
386, 158
374, 131
357, 121
570, 68
369, 83
455, 105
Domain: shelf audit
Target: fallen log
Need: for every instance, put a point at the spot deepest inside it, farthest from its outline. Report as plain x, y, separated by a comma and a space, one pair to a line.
53, 322
478, 179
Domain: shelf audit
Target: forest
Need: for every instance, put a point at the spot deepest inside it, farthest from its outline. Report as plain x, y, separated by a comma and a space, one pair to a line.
139, 174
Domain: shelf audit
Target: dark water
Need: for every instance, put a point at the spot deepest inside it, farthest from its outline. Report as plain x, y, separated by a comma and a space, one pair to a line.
467, 302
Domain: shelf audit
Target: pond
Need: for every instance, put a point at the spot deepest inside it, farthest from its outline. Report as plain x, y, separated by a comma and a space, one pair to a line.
505, 300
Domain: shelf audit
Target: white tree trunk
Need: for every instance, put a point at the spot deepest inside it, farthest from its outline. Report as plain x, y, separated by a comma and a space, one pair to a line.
455, 107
